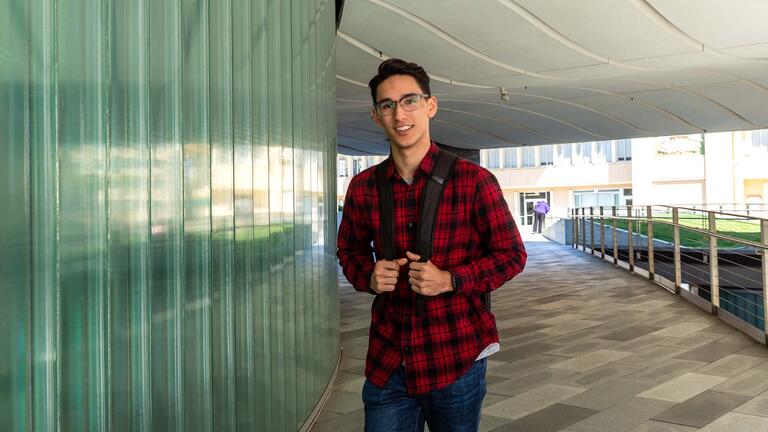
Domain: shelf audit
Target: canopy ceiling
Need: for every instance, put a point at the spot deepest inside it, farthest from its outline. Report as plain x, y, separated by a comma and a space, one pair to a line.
572, 70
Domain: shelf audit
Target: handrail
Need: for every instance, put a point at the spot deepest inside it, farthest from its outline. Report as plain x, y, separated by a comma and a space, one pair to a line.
725, 280
715, 211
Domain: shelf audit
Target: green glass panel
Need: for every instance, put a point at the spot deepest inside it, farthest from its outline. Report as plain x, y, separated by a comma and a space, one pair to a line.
15, 245
168, 263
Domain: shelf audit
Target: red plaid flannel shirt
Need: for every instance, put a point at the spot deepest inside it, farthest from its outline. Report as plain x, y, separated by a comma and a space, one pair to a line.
475, 239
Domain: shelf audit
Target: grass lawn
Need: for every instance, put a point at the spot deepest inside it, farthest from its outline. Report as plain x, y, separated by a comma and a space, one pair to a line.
747, 230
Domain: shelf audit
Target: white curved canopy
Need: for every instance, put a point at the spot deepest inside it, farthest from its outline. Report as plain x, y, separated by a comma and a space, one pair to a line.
573, 70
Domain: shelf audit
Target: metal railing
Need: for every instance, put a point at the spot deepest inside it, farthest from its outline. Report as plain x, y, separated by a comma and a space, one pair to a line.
714, 259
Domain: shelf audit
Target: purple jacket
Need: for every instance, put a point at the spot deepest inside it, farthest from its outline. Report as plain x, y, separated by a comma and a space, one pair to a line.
541, 207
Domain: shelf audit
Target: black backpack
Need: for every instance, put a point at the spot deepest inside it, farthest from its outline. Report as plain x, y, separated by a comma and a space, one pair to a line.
430, 201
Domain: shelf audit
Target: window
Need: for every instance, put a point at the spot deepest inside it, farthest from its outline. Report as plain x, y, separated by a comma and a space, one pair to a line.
510, 157
545, 155
594, 198
493, 158
760, 140
356, 166
370, 161
583, 153
343, 167
624, 150
563, 154
627, 196
529, 156
604, 152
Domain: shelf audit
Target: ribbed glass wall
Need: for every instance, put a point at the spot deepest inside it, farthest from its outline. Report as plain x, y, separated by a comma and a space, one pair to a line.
167, 194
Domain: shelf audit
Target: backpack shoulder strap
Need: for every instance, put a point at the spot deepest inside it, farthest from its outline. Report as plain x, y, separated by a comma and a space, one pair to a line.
386, 211
430, 201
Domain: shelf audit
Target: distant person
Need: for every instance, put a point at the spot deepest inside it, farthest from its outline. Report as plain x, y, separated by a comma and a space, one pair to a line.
430, 330
540, 211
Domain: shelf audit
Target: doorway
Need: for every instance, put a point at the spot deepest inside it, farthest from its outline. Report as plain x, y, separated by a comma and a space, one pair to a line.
527, 201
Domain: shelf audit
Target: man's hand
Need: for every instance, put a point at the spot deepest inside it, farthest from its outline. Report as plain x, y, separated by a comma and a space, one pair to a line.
426, 279
385, 273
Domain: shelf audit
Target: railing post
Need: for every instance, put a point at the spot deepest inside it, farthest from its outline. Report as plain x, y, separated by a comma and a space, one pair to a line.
573, 224
615, 237
575, 214
602, 234
676, 246
651, 266
764, 237
630, 241
584, 229
714, 279
592, 230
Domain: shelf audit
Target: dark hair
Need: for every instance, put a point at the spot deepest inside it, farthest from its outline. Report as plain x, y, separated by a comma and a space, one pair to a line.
394, 66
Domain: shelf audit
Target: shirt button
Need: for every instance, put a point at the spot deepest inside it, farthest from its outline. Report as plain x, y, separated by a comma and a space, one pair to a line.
410, 225
406, 349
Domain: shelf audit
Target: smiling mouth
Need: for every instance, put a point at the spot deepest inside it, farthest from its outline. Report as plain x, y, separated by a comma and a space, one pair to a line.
403, 128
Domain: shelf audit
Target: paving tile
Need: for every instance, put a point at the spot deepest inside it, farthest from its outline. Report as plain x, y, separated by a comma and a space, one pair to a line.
582, 347
755, 350
608, 395
531, 401
667, 370
535, 378
489, 423
562, 319
701, 409
352, 386
654, 426
591, 360
682, 329
756, 406
629, 333
750, 383
736, 422
516, 369
523, 351
344, 402
692, 341
653, 354
569, 327
597, 376
682, 388
709, 353
731, 365
353, 422
622, 417
550, 419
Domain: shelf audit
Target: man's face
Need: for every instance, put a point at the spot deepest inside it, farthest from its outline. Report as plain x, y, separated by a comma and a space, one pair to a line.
404, 128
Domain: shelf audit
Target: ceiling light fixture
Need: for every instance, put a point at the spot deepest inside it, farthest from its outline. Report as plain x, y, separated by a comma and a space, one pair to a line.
503, 94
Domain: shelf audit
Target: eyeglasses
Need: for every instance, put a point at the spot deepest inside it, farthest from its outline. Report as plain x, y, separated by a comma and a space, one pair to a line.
408, 102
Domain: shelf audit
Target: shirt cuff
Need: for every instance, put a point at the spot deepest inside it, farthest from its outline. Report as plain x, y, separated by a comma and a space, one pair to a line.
462, 280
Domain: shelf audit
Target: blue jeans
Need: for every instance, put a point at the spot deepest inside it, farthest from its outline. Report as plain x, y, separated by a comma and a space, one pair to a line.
455, 408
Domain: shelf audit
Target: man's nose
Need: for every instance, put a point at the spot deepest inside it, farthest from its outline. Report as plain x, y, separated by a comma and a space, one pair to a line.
399, 111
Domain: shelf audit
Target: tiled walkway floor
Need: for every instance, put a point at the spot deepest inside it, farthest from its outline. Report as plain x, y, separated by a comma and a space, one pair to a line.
587, 347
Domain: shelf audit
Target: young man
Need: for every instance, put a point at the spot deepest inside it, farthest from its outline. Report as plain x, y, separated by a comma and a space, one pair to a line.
426, 363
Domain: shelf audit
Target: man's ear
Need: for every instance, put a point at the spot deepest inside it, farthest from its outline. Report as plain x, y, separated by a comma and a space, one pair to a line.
376, 119
432, 107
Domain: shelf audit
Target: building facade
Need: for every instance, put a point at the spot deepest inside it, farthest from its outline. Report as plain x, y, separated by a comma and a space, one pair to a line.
727, 168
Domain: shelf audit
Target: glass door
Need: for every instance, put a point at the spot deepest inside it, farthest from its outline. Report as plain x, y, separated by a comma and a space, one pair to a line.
527, 201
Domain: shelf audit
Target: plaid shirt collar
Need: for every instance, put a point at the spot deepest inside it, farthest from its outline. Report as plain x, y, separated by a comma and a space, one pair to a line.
425, 167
